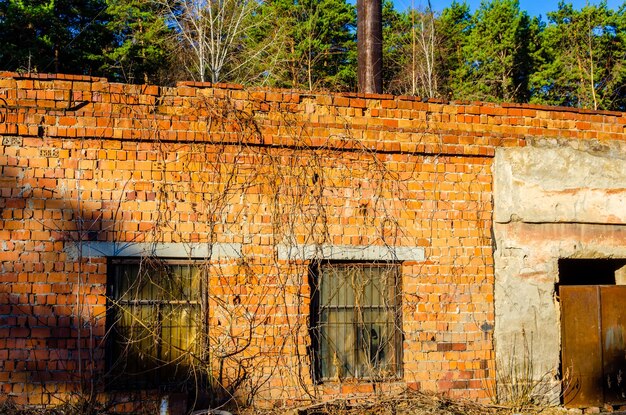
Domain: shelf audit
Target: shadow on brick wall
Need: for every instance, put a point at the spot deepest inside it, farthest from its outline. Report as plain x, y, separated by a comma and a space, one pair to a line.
52, 307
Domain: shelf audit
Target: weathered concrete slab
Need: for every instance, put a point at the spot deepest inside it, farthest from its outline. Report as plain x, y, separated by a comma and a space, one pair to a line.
351, 252
561, 184
95, 249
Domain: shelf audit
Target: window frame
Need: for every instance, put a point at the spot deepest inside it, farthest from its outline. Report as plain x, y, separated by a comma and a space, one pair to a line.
116, 376
315, 327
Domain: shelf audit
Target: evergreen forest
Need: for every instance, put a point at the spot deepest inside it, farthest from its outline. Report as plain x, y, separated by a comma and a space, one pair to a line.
499, 53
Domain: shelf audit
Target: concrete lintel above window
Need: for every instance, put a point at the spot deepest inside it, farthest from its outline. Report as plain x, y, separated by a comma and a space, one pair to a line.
165, 250
350, 252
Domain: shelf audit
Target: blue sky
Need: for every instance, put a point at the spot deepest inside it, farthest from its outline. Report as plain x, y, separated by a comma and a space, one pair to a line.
533, 7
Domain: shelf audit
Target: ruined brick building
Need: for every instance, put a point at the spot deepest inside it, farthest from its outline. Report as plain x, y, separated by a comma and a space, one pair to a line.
284, 247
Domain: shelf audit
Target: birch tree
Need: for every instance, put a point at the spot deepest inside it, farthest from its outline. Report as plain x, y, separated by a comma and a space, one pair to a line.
212, 35
422, 49
411, 50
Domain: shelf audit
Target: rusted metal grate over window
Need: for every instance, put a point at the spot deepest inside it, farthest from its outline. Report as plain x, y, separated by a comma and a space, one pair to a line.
155, 322
356, 321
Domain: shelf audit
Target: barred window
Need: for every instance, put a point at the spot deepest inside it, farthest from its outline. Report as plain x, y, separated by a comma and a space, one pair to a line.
356, 321
155, 321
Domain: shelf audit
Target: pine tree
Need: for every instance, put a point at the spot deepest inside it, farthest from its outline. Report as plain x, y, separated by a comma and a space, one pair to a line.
453, 26
396, 30
140, 52
53, 35
498, 54
318, 40
583, 58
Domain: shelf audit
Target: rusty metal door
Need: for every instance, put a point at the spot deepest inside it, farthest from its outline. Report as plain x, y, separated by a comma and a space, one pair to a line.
593, 319
581, 358
613, 346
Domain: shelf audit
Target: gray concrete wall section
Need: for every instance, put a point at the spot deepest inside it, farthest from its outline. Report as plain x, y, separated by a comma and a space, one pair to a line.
552, 199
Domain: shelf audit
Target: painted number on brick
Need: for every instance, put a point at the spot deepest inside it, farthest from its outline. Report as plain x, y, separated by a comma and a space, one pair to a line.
49, 152
11, 141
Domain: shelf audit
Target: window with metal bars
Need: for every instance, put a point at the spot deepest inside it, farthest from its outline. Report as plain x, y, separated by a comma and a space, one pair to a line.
155, 319
356, 321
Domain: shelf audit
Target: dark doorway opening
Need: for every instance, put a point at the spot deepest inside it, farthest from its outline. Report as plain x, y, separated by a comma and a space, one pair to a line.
588, 271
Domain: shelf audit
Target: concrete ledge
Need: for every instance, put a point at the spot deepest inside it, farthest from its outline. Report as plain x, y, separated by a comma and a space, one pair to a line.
350, 252
169, 250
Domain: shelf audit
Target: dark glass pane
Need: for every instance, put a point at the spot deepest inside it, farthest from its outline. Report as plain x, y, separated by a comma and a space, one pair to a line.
157, 323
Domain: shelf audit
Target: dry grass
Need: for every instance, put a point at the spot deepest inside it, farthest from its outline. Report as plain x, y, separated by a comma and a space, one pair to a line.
81, 407
407, 403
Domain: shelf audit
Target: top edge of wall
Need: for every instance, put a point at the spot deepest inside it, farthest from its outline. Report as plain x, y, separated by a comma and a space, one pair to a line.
314, 94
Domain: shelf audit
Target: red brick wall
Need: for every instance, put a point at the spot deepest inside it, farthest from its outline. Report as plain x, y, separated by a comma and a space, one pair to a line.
84, 160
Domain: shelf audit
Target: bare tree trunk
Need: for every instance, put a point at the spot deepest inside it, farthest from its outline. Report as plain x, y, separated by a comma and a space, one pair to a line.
413, 52
427, 43
421, 75
211, 31
293, 68
592, 81
309, 63
370, 46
